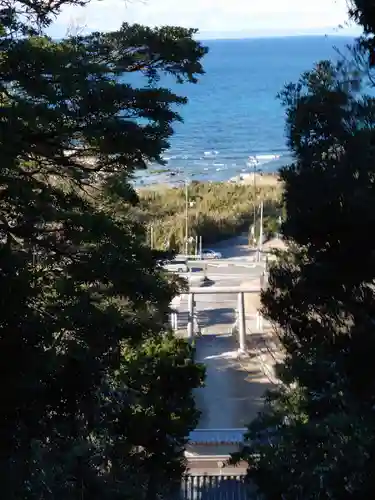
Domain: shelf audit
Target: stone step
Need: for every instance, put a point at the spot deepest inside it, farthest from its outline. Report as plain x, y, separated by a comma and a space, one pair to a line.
217, 436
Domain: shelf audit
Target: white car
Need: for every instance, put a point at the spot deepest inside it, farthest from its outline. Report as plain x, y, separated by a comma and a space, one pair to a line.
211, 254
176, 266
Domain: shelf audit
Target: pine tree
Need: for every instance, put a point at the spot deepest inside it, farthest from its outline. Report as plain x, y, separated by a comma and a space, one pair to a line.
316, 436
96, 393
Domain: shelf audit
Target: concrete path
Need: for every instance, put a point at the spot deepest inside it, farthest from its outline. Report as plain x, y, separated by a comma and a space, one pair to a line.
234, 388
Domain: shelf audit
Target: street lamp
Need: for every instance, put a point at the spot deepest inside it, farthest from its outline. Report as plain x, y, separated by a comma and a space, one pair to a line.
187, 204
255, 197
260, 241
186, 216
254, 163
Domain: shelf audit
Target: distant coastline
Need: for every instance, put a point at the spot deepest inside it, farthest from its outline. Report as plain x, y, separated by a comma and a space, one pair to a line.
258, 180
247, 35
267, 166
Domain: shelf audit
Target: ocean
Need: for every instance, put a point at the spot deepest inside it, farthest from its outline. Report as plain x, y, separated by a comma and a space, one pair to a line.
233, 113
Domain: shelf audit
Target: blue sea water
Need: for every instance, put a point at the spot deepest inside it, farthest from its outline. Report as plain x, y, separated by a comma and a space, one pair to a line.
233, 112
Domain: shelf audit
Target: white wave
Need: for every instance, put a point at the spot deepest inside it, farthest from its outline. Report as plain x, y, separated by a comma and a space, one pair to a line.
211, 153
267, 157
255, 160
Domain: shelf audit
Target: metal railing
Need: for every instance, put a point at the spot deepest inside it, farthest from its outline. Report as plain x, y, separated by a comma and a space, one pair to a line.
207, 487
180, 320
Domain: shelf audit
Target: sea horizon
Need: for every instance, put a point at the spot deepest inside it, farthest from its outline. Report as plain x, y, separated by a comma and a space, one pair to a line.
251, 34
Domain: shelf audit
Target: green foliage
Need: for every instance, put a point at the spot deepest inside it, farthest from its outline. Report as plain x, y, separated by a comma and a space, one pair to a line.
155, 422
316, 436
271, 225
96, 394
220, 210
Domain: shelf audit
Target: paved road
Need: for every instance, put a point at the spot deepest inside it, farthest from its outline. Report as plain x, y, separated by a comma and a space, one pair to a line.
234, 247
224, 272
233, 392
234, 387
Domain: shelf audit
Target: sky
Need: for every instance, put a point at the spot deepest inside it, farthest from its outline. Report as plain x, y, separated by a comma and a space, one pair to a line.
213, 18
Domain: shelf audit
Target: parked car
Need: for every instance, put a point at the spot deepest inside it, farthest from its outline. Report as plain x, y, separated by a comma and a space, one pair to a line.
210, 254
176, 266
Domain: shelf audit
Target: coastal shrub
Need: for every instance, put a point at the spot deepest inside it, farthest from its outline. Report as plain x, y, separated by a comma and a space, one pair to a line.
216, 210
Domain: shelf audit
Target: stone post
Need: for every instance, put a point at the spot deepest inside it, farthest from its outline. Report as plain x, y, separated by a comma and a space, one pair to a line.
190, 325
241, 322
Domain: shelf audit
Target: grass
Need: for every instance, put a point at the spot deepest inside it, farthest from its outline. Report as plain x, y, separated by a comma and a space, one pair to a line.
216, 211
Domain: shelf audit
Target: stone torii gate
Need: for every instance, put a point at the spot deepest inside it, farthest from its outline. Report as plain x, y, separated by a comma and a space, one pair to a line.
241, 318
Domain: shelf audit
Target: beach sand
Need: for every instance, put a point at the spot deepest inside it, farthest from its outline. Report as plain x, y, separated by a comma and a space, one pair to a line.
261, 180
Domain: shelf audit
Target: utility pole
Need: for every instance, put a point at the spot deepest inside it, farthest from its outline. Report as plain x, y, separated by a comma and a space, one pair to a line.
186, 217
255, 206
261, 230
152, 236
